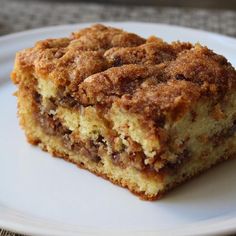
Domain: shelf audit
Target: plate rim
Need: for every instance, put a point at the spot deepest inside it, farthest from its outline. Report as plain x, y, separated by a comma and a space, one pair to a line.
203, 226
85, 24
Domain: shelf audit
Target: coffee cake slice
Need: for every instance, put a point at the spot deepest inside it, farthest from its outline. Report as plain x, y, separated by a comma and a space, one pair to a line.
142, 113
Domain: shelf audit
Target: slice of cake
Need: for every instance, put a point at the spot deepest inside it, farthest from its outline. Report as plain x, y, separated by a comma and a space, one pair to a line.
142, 113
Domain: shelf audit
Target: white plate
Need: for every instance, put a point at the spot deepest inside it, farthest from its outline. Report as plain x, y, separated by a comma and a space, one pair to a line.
42, 195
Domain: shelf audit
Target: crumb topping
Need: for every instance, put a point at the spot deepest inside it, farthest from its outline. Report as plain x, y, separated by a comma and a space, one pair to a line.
103, 65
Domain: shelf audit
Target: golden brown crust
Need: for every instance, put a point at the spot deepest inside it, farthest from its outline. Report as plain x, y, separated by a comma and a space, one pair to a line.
211, 72
126, 63
152, 101
104, 87
98, 48
101, 37
85, 53
151, 53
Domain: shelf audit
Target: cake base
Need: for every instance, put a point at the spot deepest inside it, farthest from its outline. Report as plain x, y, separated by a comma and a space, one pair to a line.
147, 186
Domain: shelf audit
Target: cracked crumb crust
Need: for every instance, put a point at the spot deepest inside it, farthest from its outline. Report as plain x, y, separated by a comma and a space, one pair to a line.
102, 65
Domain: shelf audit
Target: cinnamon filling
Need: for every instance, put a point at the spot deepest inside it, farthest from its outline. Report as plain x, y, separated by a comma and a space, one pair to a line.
224, 134
52, 126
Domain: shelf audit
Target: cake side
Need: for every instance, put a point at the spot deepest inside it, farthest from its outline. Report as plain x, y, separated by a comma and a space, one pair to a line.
146, 183
145, 114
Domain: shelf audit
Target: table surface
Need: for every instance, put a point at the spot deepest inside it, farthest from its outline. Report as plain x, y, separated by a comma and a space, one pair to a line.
15, 16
